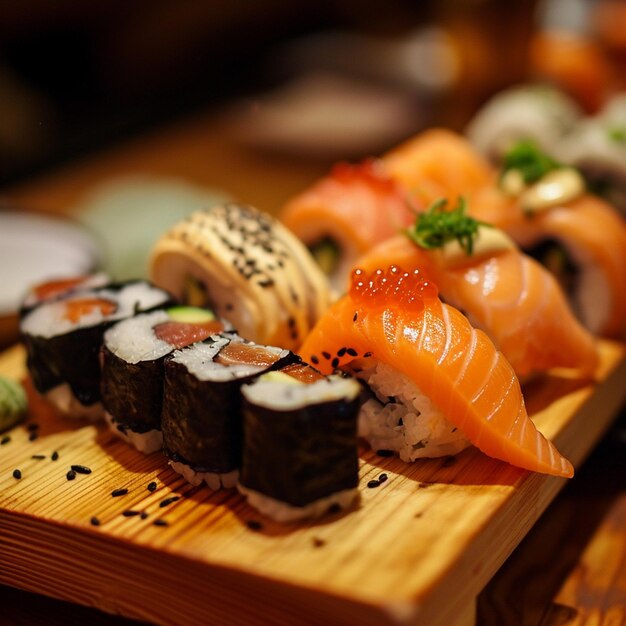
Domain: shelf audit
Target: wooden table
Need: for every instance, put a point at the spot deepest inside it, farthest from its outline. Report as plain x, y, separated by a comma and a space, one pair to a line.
570, 570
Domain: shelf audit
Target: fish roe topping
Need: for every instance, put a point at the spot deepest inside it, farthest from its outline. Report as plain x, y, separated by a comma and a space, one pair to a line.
392, 286
370, 172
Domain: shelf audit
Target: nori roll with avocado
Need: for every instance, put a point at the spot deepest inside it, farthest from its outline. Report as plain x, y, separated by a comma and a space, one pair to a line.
201, 419
63, 339
300, 454
133, 356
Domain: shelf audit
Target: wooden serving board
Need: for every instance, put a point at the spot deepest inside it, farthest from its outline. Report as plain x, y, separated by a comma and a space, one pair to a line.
415, 550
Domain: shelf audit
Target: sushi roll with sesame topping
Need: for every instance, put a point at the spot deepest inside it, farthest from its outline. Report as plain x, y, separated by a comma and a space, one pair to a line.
133, 356
300, 454
201, 418
248, 268
63, 339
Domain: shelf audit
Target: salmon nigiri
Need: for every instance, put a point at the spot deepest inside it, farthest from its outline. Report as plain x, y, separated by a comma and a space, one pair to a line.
506, 293
579, 237
346, 213
437, 384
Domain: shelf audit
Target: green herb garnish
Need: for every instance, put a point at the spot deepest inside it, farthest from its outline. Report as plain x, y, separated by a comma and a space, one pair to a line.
529, 160
438, 226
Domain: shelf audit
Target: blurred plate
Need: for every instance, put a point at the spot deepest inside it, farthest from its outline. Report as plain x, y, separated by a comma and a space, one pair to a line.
35, 248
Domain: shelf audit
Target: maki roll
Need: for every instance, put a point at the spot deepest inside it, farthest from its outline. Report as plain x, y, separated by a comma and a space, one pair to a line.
300, 455
597, 147
133, 355
55, 289
346, 213
201, 418
248, 268
63, 339
535, 113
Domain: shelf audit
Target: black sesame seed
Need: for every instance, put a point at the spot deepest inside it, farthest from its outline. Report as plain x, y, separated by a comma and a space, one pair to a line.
352, 352
32, 427
355, 316
17, 474
71, 475
382, 478
314, 360
159, 522
144, 514
5, 440
130, 513
253, 524
94, 521
116, 493
34, 435
326, 355
384, 452
38, 457
81, 469
334, 363
168, 501
152, 486
318, 543
367, 355
341, 352
334, 508
54, 456
372, 484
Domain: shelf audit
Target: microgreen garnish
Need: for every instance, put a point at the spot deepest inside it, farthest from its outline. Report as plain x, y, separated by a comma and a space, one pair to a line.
527, 158
438, 226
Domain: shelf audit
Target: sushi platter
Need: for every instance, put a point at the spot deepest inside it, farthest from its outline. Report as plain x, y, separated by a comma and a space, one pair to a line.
416, 549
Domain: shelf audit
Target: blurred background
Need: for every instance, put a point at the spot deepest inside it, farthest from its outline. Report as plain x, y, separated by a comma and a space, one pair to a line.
317, 80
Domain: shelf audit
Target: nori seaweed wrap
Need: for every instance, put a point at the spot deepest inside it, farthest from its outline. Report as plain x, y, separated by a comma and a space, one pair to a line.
201, 419
300, 452
63, 339
133, 356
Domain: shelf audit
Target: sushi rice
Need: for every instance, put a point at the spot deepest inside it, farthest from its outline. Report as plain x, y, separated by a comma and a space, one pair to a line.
401, 418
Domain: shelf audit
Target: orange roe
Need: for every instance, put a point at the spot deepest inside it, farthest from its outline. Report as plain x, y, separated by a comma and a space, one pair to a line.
409, 290
75, 309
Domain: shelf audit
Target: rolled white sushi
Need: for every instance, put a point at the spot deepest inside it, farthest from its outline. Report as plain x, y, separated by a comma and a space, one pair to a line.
536, 113
300, 455
63, 339
248, 268
597, 147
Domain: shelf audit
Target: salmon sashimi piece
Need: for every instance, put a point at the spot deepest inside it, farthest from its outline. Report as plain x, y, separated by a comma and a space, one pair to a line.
510, 296
437, 164
356, 207
593, 234
396, 318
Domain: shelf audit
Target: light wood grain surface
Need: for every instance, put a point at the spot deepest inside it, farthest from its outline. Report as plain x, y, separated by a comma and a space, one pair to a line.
416, 550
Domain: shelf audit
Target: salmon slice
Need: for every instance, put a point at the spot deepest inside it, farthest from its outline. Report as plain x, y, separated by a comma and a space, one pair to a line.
516, 301
182, 334
437, 164
593, 234
396, 317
